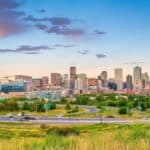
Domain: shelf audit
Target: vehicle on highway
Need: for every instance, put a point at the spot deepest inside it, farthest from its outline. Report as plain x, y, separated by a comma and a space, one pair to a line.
27, 117
10, 116
110, 116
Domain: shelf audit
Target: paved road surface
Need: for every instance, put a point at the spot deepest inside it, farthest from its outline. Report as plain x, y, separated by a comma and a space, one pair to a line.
52, 120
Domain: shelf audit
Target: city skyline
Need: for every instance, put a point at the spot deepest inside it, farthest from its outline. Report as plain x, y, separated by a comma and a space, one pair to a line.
73, 73
51, 36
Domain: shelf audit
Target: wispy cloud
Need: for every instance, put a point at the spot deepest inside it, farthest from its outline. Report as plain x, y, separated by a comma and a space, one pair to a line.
41, 10
63, 45
83, 52
66, 31
98, 32
133, 63
11, 19
41, 26
100, 56
58, 25
56, 21
9, 4
27, 49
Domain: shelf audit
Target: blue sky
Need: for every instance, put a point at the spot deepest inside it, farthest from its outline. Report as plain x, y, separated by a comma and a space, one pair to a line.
44, 36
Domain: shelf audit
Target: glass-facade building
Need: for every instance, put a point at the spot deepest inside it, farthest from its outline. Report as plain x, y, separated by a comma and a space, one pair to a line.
12, 87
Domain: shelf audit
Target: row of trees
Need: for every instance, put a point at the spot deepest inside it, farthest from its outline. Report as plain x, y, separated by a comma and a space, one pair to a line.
13, 105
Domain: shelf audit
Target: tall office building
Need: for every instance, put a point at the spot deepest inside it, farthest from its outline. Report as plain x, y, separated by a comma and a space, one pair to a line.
129, 83
72, 77
79, 84
56, 79
65, 81
83, 78
103, 78
145, 80
119, 78
45, 82
137, 74
37, 84
23, 78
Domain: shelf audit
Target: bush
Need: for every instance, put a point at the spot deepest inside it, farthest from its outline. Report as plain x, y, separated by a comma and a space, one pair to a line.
10, 105
63, 131
142, 106
52, 105
26, 106
111, 103
74, 110
82, 100
122, 110
67, 107
122, 103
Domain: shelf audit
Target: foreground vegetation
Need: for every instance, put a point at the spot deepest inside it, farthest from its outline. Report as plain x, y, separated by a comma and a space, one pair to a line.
87, 137
120, 106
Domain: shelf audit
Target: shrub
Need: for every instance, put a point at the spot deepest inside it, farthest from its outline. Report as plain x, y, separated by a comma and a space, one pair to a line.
142, 106
122, 103
26, 106
67, 107
122, 110
111, 103
63, 131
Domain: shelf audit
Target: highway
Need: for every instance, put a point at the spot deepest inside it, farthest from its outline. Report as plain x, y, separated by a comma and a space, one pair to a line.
66, 120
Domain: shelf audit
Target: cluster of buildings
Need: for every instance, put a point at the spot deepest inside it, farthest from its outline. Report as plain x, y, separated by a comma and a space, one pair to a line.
74, 83
79, 83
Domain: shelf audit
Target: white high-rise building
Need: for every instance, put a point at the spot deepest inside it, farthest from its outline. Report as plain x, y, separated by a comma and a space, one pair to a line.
137, 74
79, 84
119, 78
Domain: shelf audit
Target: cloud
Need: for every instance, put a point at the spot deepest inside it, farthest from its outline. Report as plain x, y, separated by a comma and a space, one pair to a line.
27, 49
99, 56
10, 22
11, 19
60, 21
62, 45
84, 52
58, 25
133, 63
35, 19
56, 21
66, 31
99, 32
9, 4
41, 26
41, 10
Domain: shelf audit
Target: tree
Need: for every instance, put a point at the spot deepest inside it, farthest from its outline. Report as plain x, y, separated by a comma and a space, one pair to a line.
68, 107
142, 106
76, 109
40, 106
82, 100
9, 105
122, 102
63, 100
26, 106
122, 110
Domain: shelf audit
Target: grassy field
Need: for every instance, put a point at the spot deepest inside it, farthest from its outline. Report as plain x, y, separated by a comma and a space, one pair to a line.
136, 114
53, 113
81, 137
83, 112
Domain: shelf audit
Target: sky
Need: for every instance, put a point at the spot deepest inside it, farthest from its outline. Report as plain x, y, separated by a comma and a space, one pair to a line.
38, 37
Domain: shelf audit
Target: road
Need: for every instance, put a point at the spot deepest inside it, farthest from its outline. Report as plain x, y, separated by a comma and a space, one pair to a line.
54, 120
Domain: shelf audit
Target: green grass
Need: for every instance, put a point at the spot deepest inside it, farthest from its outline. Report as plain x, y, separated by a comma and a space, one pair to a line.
74, 137
53, 113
